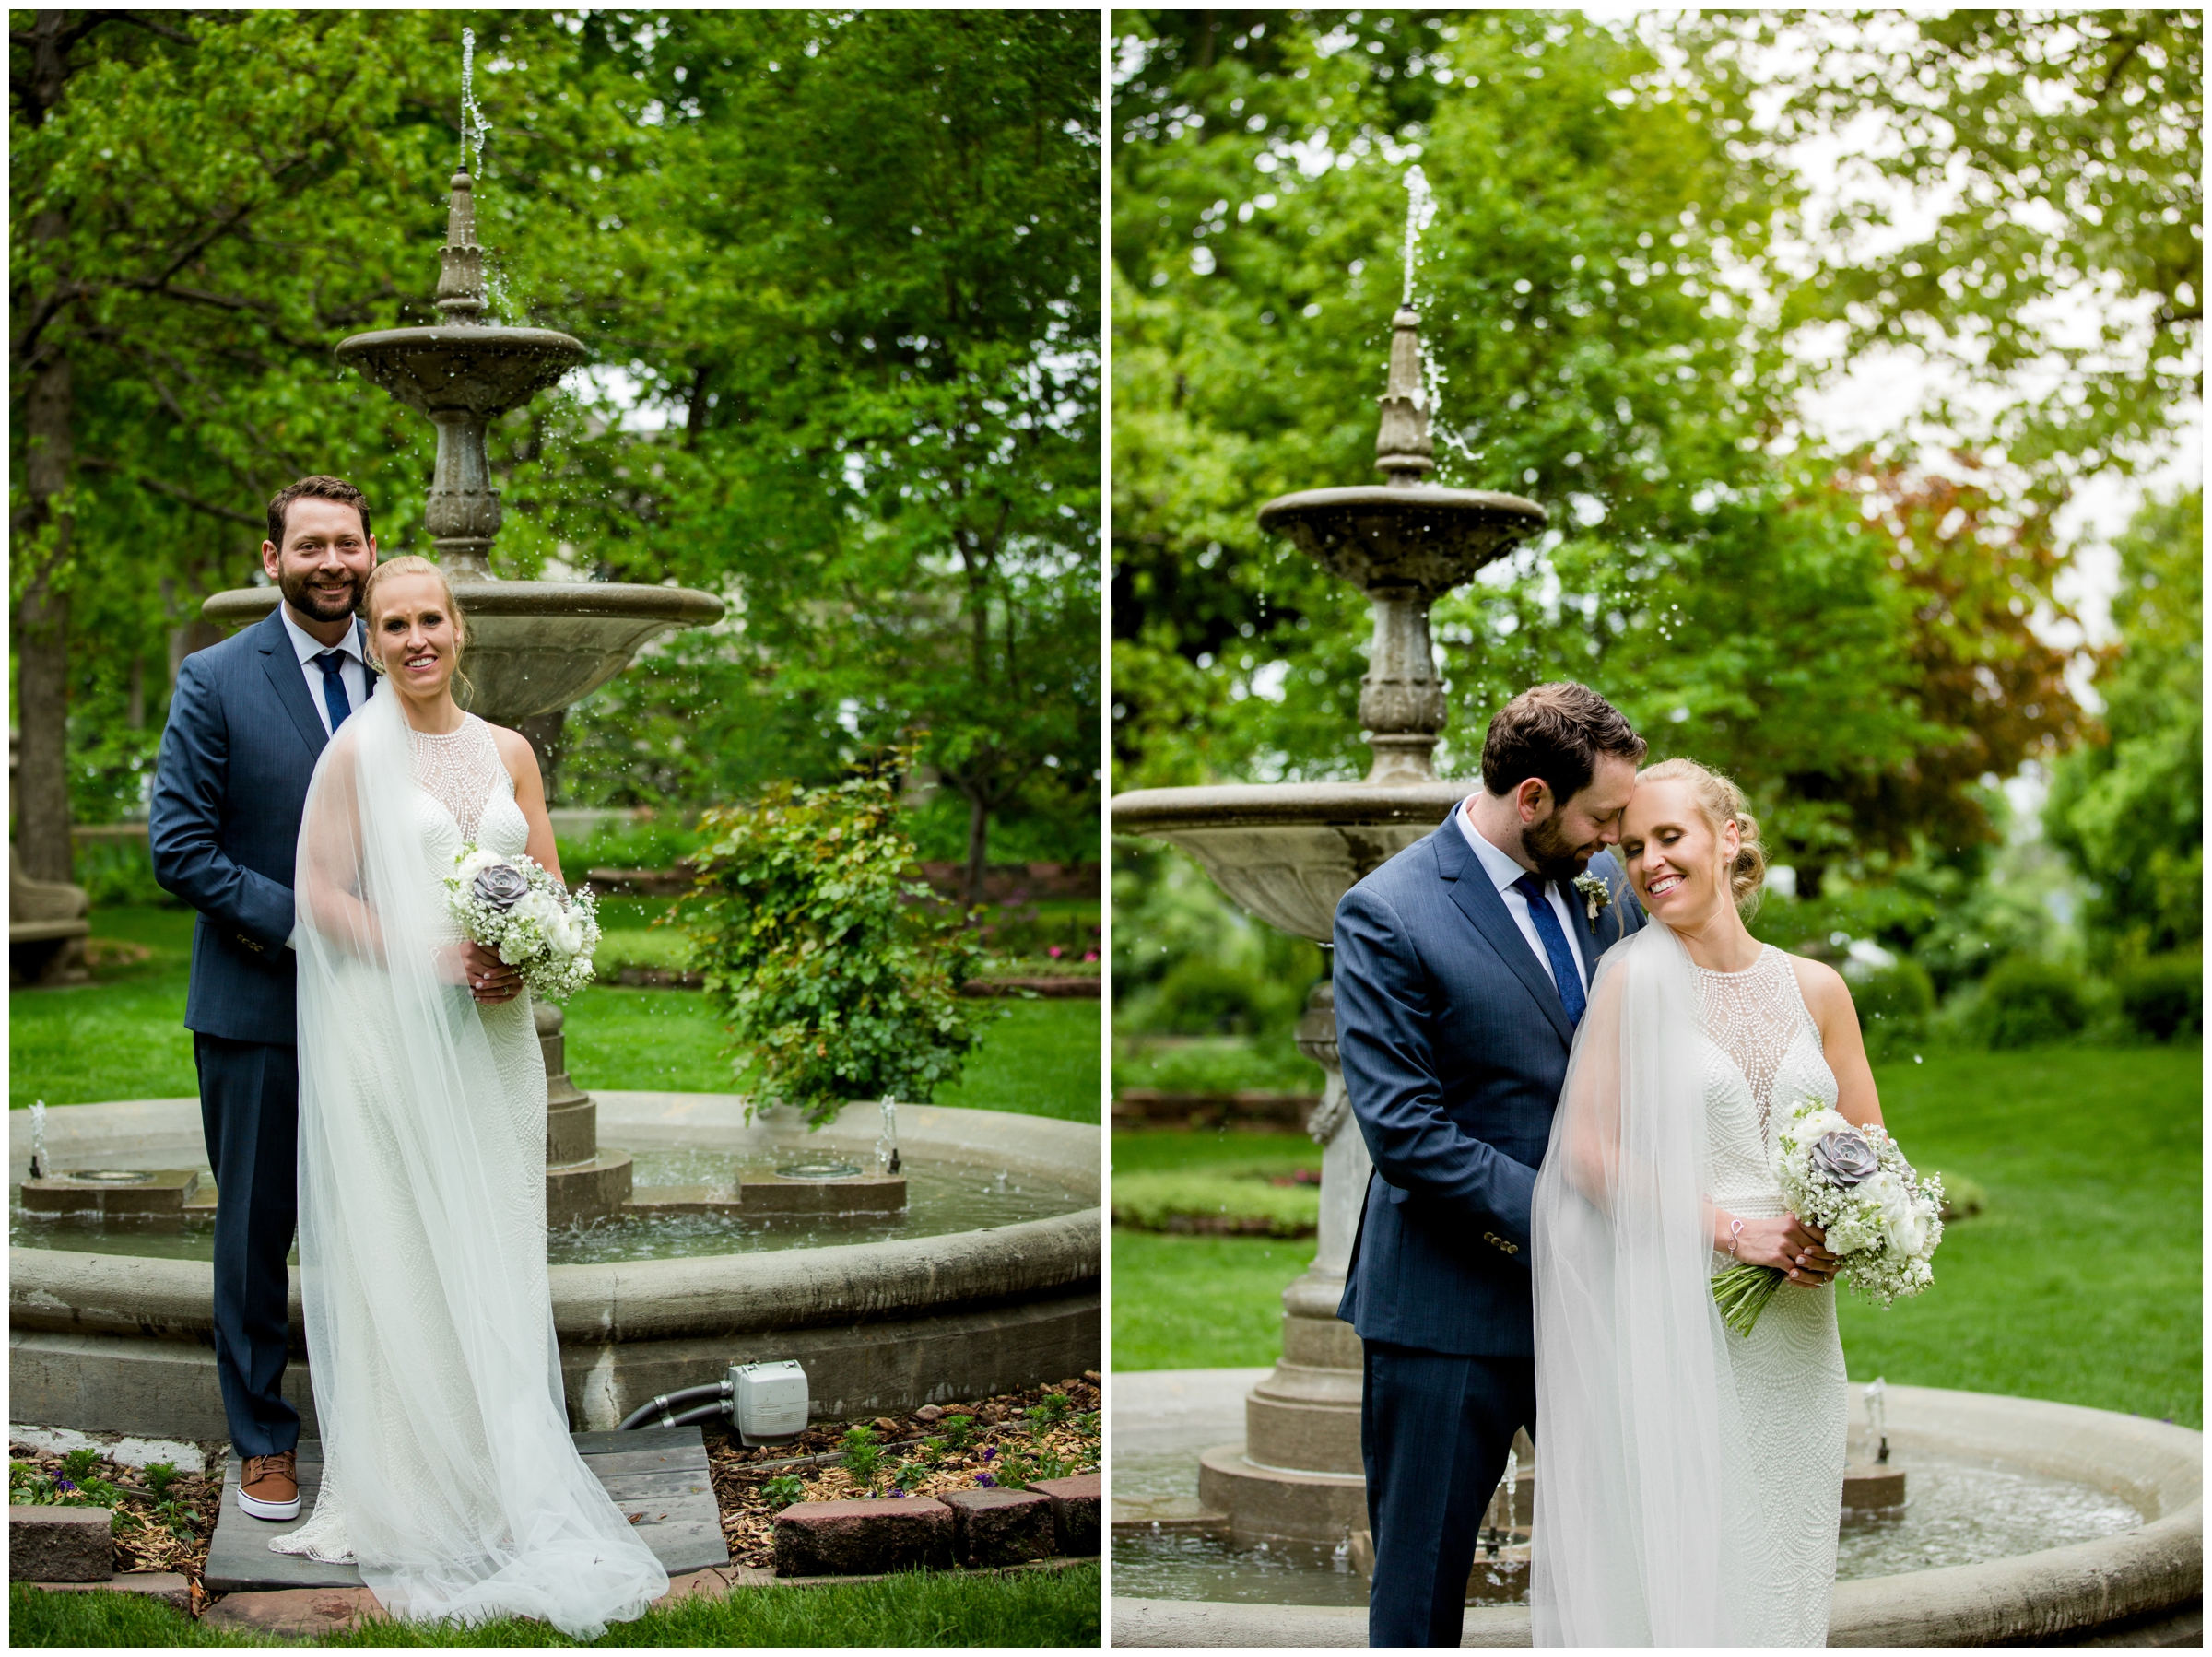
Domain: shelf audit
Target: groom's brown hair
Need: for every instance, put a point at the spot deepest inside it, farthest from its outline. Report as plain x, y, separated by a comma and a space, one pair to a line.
1555, 732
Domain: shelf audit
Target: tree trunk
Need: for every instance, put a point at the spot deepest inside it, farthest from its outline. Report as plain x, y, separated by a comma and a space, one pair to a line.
979, 841
41, 795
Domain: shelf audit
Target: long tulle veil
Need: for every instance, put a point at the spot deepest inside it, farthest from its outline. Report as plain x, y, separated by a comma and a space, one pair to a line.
1643, 1494
447, 1472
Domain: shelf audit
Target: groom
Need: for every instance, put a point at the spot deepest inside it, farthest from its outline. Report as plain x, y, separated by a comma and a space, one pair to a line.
248, 720
1462, 966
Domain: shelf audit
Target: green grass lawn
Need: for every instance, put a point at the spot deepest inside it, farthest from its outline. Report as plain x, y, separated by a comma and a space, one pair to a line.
2082, 1281
123, 1036
1040, 1608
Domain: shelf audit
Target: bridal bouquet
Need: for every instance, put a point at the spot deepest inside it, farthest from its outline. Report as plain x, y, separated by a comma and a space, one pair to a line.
1882, 1219
513, 906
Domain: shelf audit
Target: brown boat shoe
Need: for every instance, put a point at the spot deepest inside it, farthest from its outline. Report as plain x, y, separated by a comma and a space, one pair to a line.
268, 1485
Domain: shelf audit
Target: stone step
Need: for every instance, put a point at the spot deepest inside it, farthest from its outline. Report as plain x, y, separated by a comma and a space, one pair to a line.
1076, 1503
166, 1586
659, 1478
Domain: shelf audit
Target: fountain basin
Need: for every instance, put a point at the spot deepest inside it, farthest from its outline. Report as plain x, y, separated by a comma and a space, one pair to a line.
533, 646
2142, 1584
482, 369
121, 1343
1288, 851
1415, 541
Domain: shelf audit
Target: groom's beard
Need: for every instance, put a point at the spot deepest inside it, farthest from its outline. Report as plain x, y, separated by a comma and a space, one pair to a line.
319, 604
1556, 857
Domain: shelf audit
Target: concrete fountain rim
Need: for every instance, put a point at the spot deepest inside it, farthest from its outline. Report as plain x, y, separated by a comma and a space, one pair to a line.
2143, 1571
82, 1292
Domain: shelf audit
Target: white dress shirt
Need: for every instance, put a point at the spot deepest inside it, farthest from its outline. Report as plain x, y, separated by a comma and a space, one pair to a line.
1503, 869
353, 672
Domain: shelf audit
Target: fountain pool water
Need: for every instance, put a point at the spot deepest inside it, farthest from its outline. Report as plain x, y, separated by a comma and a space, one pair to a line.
2025, 1522
941, 1197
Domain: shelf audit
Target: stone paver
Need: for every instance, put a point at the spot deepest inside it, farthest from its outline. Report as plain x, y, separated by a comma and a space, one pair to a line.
1075, 1511
297, 1611
856, 1538
60, 1545
165, 1585
1000, 1527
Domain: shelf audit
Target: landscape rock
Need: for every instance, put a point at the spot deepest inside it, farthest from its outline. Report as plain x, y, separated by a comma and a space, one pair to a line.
859, 1538
60, 1545
297, 1613
929, 1412
1001, 1527
1075, 1511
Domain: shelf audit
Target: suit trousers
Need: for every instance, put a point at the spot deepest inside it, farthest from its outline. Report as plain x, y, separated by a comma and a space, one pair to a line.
250, 1112
1434, 1429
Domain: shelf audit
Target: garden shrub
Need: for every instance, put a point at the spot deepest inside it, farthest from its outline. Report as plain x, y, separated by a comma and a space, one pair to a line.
838, 977
1202, 997
1216, 1201
2025, 1000
2164, 997
1893, 1004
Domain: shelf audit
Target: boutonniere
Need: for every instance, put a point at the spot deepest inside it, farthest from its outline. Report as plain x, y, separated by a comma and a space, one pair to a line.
1596, 894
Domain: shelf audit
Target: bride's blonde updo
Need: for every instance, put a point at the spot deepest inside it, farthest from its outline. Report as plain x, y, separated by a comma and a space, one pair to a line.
409, 563
1720, 801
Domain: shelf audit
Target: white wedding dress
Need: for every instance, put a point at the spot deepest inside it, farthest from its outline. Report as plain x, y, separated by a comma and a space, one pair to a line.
449, 1477
1690, 1479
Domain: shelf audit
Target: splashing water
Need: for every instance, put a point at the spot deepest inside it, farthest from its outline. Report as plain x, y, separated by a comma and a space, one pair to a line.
1513, 1490
887, 1143
38, 1140
471, 118
1877, 1417
1421, 207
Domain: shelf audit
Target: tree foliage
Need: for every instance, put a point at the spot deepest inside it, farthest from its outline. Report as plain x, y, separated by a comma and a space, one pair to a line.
2127, 809
833, 267
1596, 293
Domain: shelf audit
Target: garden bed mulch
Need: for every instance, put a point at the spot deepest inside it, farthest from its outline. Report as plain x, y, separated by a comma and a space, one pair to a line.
168, 1531
1005, 1443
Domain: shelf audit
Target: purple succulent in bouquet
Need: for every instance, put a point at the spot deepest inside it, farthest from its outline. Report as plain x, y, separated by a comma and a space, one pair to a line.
499, 885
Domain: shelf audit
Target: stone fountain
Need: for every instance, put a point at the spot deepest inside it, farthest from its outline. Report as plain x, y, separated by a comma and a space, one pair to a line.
1287, 852
970, 1289
533, 646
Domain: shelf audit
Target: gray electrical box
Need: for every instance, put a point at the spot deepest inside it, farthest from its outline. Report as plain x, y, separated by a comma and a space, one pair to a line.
769, 1401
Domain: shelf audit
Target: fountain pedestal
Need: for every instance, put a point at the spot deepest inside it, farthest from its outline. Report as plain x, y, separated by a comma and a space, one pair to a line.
1288, 854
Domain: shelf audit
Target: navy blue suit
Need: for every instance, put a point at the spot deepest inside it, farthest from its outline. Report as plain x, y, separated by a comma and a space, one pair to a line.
230, 788
1454, 1045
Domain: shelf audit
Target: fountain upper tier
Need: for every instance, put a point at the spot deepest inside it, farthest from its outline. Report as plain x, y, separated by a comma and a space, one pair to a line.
533, 646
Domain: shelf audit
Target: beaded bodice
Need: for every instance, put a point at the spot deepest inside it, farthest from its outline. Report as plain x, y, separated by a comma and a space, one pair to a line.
1754, 1017
462, 771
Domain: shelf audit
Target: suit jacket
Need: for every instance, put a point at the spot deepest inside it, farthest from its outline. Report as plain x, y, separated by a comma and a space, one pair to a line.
1455, 1044
230, 788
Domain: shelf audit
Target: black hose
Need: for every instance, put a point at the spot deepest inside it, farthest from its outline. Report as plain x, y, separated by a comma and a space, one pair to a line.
666, 1403
705, 1412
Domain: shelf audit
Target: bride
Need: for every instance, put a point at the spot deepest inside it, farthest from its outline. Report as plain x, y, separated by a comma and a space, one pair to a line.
448, 1474
1690, 1479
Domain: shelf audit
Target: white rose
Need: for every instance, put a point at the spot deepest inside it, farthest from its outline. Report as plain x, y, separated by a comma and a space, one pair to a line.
469, 864
537, 906
1906, 1230
565, 932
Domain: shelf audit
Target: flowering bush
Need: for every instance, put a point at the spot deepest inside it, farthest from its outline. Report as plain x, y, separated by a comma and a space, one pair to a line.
839, 974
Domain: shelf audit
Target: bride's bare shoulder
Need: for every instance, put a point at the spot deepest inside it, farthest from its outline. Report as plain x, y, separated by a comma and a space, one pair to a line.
516, 752
1822, 987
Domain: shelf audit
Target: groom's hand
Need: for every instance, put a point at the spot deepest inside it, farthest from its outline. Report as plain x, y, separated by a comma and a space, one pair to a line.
490, 978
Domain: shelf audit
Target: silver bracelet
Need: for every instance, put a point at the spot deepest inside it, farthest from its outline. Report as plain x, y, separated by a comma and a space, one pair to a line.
1735, 1234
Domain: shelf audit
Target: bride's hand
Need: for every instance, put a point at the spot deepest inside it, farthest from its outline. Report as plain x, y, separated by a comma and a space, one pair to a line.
1789, 1245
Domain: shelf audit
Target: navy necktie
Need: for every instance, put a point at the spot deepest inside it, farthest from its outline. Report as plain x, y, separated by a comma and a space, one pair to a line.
1563, 968
334, 689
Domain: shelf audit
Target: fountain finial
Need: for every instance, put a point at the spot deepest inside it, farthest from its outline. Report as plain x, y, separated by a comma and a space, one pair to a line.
1403, 449
461, 266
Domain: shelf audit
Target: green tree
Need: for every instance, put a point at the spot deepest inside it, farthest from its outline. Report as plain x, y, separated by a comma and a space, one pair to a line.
2127, 809
1588, 289
2055, 159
